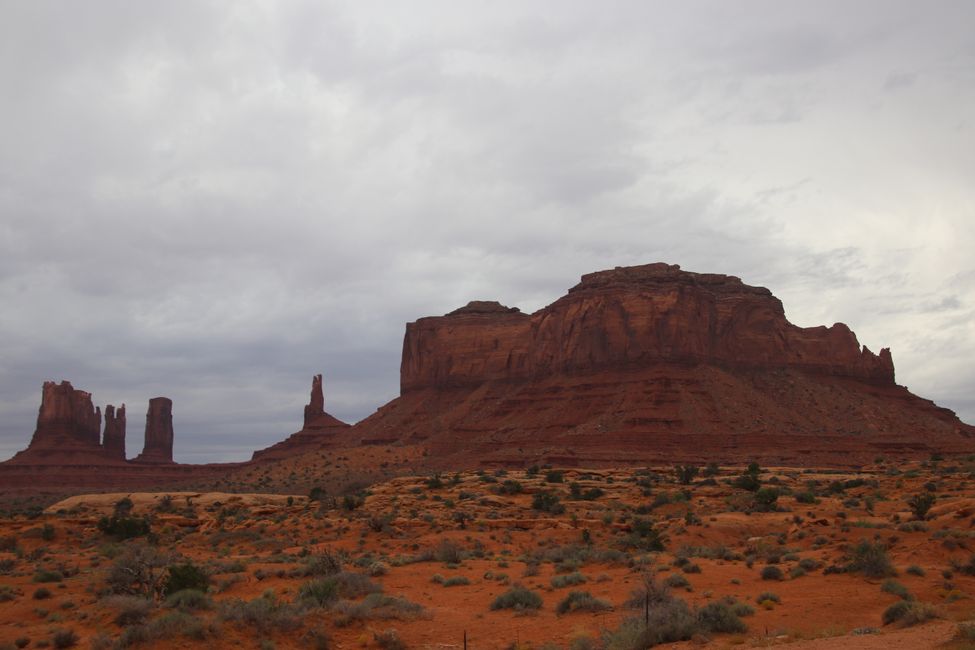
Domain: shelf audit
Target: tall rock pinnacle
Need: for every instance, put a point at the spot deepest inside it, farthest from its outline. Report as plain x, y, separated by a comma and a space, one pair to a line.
316, 405
159, 432
113, 440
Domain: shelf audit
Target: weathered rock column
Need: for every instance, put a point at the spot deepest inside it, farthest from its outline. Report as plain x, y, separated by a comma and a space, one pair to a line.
316, 405
159, 432
113, 440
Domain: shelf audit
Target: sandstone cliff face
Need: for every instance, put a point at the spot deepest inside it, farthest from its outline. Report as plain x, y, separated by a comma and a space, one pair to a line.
652, 364
113, 440
630, 318
159, 432
66, 418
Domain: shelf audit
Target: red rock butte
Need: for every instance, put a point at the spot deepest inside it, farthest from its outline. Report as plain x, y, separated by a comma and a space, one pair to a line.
651, 363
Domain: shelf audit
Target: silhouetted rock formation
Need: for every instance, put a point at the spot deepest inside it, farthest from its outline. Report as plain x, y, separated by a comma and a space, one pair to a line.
113, 440
316, 405
159, 432
66, 418
651, 363
319, 429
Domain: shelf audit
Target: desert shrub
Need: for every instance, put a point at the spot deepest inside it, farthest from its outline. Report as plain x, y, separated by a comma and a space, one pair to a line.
517, 598
169, 626
771, 572
568, 580
325, 563
891, 586
509, 486
685, 473
554, 476
130, 610
388, 640
265, 613
871, 560
47, 532
375, 606
189, 600
808, 564
581, 601
456, 581
449, 552
719, 616
767, 596
805, 497
907, 613
669, 621
915, 570
48, 576
741, 609
7, 593
320, 593
42, 593
65, 639
548, 502
185, 576
124, 527
691, 567
676, 581
748, 480
354, 585
765, 498
645, 536
920, 504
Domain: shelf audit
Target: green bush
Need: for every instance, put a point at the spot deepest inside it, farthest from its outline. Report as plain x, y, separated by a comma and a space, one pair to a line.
547, 502
920, 504
320, 593
185, 576
65, 639
48, 576
581, 601
124, 527
771, 572
517, 598
676, 581
131, 610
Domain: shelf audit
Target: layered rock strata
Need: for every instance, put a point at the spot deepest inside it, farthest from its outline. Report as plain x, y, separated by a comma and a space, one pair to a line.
652, 363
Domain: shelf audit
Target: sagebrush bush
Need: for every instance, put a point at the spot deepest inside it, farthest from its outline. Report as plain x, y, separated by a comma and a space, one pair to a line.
581, 601
871, 560
568, 580
771, 572
517, 598
907, 613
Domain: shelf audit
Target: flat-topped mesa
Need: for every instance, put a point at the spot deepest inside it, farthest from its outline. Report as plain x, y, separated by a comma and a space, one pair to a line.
66, 419
159, 432
630, 318
316, 404
113, 439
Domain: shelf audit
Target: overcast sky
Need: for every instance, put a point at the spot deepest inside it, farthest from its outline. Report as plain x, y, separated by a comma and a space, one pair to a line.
213, 201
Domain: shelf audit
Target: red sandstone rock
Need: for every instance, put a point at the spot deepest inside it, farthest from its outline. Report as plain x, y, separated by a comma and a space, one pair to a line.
66, 418
319, 429
651, 363
113, 440
159, 432
316, 405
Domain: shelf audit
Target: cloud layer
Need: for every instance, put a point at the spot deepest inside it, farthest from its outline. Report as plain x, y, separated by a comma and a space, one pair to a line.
214, 201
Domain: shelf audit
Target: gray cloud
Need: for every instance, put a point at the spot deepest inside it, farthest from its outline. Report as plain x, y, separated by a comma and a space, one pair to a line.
214, 201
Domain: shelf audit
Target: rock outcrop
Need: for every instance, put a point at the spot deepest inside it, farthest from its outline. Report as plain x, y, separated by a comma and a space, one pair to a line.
66, 418
320, 429
113, 439
159, 432
650, 363
316, 404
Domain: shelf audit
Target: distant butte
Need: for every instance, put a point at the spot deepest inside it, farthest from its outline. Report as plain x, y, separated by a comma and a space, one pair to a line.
651, 363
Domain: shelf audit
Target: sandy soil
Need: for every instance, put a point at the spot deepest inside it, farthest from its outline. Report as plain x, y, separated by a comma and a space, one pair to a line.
447, 547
